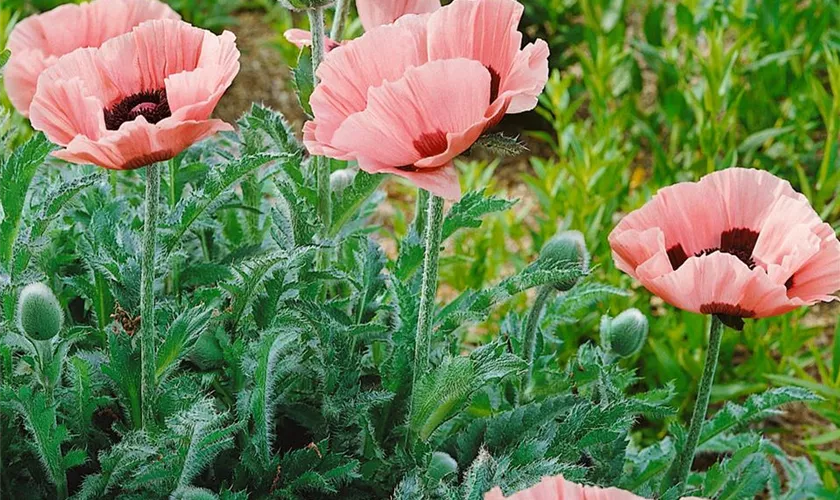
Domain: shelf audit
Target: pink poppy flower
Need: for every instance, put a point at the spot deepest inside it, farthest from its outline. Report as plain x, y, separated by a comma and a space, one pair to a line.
738, 244
557, 488
141, 98
372, 13
407, 98
39, 41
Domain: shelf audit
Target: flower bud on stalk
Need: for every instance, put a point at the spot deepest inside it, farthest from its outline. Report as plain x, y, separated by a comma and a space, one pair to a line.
39, 313
564, 248
625, 334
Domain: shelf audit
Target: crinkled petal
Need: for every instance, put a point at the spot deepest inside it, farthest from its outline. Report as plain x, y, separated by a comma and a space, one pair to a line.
819, 278
375, 13
64, 110
139, 143
424, 115
440, 181
527, 78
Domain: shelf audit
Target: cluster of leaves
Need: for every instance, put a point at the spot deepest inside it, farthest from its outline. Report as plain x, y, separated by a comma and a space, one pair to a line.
284, 374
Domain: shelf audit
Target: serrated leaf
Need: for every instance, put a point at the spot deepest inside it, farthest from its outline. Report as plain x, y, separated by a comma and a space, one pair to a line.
467, 213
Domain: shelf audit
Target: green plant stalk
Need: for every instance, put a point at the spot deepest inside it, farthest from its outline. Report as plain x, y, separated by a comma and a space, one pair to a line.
678, 473
147, 296
421, 212
428, 289
321, 165
342, 7
529, 339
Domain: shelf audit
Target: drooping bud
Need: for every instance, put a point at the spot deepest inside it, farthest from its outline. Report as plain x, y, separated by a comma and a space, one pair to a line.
342, 179
305, 4
566, 248
39, 313
625, 334
207, 354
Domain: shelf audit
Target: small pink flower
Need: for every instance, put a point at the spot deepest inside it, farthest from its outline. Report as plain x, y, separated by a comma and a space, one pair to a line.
557, 488
38, 42
372, 13
142, 97
407, 98
739, 244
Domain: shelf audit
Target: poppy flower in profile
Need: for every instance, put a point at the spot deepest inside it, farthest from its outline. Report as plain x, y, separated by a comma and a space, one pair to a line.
141, 98
740, 243
372, 13
37, 42
407, 98
557, 488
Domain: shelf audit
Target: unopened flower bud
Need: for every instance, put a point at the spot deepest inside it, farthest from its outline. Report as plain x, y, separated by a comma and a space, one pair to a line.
305, 4
342, 179
625, 334
567, 248
207, 354
39, 313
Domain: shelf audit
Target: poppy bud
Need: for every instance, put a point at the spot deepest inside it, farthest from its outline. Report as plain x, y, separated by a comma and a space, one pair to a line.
39, 313
565, 248
625, 334
305, 4
341, 179
207, 353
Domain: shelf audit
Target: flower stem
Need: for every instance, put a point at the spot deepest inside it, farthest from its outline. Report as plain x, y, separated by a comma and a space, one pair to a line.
321, 165
341, 9
529, 339
428, 289
678, 473
421, 212
147, 296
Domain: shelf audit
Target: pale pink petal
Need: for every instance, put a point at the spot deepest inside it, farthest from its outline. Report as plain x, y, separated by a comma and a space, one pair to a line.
787, 238
349, 71
139, 143
411, 119
557, 488
192, 95
748, 195
64, 110
302, 38
440, 181
818, 278
375, 13
526, 79
641, 254
721, 279
484, 30
38, 41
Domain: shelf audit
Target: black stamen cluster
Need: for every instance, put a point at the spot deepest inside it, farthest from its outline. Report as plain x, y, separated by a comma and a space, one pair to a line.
125, 111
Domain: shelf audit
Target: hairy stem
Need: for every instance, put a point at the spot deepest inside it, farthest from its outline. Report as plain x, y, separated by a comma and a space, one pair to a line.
529, 339
147, 296
678, 473
321, 165
421, 212
428, 289
341, 9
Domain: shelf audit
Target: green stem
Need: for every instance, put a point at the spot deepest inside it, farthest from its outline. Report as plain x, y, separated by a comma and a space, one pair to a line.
420, 212
147, 296
428, 290
321, 165
678, 473
529, 339
341, 9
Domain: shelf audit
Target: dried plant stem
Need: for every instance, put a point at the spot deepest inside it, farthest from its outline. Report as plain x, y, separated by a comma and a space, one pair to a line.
678, 473
428, 289
147, 296
341, 9
529, 339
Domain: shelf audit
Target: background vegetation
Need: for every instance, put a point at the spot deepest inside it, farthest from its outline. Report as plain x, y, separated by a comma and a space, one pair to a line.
643, 93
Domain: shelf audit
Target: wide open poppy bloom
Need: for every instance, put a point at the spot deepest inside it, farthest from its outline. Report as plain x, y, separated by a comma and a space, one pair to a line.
372, 13
141, 98
407, 98
557, 488
39, 41
738, 244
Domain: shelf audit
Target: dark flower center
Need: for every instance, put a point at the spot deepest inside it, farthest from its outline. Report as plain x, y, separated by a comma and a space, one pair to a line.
495, 83
739, 242
731, 316
431, 143
151, 104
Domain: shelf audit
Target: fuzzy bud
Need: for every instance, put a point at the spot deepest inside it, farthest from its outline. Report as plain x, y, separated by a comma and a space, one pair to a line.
207, 354
39, 313
564, 248
342, 179
305, 4
625, 334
